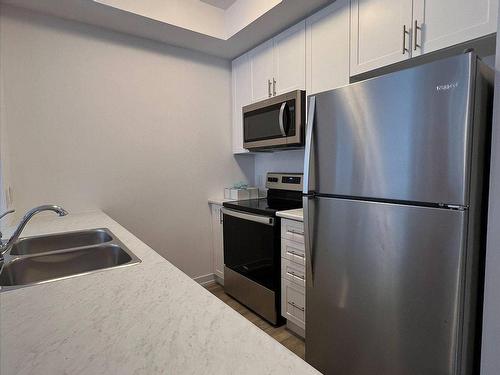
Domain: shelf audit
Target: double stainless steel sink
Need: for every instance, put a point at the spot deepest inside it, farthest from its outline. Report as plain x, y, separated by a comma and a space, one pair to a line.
35, 260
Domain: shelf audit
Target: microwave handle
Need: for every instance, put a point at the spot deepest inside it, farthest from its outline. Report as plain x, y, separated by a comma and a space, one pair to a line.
282, 125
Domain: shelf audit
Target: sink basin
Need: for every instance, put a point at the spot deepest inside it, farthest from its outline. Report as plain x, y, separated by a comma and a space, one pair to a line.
53, 242
35, 260
29, 270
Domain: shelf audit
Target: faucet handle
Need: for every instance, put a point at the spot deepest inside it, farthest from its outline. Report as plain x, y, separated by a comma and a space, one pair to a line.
6, 213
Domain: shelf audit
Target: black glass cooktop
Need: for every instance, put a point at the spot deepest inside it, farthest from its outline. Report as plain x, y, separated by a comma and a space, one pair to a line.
270, 205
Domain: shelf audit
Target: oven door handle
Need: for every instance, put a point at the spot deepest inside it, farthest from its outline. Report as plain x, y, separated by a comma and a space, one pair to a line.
267, 220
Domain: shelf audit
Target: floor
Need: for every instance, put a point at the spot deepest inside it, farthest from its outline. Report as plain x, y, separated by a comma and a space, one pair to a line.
280, 334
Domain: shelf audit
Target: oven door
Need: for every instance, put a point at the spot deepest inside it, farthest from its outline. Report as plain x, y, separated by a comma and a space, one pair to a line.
251, 247
275, 122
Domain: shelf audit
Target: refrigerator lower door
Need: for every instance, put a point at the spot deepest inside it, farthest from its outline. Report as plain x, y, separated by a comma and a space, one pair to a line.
386, 291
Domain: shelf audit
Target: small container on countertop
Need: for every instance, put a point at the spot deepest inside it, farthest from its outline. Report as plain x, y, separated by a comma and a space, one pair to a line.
241, 193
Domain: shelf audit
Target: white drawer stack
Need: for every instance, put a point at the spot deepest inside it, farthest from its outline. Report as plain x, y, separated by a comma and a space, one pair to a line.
293, 275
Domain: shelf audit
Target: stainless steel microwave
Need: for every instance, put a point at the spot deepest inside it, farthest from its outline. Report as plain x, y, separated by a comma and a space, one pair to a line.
275, 122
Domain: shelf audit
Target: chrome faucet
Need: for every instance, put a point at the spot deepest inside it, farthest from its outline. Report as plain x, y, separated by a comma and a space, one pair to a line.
6, 245
5, 214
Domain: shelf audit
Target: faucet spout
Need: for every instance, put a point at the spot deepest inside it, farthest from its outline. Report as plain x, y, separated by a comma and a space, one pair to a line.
4, 248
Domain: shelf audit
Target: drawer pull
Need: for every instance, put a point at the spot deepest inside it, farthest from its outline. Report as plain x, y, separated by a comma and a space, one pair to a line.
296, 254
295, 232
295, 275
295, 305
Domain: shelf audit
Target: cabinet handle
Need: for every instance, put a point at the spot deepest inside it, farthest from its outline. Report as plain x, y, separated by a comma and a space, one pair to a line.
295, 232
297, 306
415, 32
221, 220
269, 88
404, 39
295, 275
296, 254
274, 87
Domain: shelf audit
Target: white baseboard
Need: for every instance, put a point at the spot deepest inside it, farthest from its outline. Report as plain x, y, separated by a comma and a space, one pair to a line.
219, 280
205, 280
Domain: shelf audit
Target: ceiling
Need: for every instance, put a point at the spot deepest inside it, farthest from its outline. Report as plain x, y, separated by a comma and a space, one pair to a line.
196, 15
222, 4
246, 23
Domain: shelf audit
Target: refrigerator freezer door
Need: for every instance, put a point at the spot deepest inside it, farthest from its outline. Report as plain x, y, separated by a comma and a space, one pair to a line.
387, 288
403, 136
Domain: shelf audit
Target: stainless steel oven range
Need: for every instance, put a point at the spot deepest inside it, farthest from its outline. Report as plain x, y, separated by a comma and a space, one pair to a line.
252, 245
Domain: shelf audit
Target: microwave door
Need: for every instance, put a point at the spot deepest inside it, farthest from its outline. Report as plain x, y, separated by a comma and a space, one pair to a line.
267, 126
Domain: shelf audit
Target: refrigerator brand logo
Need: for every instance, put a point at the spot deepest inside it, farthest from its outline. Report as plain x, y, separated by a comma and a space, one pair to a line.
446, 87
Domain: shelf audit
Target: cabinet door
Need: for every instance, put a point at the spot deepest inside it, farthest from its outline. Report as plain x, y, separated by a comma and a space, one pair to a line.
217, 242
444, 23
327, 48
377, 37
242, 95
290, 60
293, 303
261, 61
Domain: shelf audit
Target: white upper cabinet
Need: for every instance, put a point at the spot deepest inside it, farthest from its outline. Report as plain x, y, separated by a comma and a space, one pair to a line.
242, 96
327, 48
443, 23
380, 33
384, 32
261, 61
278, 65
290, 60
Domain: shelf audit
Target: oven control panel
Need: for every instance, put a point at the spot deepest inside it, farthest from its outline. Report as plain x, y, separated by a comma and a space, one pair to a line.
284, 181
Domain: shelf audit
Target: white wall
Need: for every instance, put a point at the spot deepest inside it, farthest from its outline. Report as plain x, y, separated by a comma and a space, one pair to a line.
490, 361
97, 119
2, 140
4, 154
280, 161
197, 15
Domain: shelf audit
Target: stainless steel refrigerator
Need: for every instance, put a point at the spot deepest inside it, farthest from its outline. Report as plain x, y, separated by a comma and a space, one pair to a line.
394, 211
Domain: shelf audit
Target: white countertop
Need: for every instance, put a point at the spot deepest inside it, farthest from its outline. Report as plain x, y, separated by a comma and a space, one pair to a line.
296, 214
219, 201
148, 318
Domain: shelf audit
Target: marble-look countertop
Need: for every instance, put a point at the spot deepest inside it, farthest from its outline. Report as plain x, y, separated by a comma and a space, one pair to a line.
148, 318
219, 201
296, 214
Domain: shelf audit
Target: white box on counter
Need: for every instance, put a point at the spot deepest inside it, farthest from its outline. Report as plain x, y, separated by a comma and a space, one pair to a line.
241, 194
253, 192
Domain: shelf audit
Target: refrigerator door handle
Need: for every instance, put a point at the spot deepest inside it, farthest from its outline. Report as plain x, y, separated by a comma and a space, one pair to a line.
308, 243
307, 152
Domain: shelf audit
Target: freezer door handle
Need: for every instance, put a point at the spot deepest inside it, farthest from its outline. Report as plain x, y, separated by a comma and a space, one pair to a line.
307, 152
308, 204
